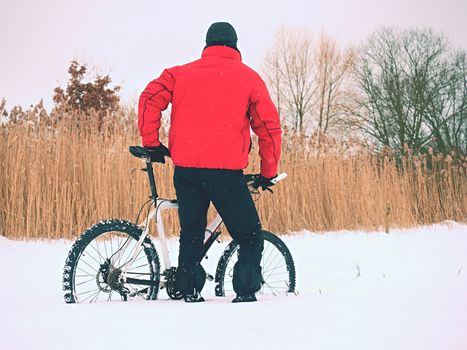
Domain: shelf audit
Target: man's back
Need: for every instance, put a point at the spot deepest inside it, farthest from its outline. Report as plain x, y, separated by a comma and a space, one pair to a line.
214, 101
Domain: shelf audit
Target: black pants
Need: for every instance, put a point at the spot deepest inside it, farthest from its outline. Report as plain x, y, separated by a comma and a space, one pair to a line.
228, 191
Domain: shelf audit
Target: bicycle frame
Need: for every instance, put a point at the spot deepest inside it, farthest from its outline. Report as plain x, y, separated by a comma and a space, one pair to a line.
163, 204
160, 204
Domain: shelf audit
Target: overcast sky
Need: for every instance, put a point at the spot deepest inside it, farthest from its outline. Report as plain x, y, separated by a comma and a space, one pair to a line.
134, 40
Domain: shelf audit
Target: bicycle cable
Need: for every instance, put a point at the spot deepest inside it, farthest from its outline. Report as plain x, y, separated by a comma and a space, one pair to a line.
146, 223
255, 193
136, 221
141, 209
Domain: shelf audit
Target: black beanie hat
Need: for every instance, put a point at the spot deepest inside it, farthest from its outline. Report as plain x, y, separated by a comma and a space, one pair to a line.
221, 33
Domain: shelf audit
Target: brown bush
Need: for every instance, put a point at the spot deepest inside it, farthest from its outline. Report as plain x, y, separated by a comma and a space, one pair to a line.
86, 99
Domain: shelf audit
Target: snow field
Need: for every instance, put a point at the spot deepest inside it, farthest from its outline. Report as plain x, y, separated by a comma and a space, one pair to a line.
405, 290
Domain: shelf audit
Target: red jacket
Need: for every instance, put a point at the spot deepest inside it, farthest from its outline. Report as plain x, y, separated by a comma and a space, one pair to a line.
214, 100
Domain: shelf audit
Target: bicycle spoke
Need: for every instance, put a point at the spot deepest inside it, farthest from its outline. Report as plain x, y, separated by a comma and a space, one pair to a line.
84, 261
275, 267
267, 259
89, 291
92, 279
137, 267
277, 281
90, 274
121, 247
272, 289
279, 273
105, 248
123, 253
278, 267
273, 251
265, 251
143, 257
269, 248
86, 272
98, 251
137, 259
86, 253
96, 297
90, 296
278, 253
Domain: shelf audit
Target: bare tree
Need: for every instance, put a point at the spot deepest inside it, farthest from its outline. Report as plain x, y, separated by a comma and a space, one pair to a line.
333, 68
412, 91
446, 116
289, 67
307, 80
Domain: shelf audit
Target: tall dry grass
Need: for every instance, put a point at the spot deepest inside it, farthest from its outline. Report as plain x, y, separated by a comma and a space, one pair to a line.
58, 179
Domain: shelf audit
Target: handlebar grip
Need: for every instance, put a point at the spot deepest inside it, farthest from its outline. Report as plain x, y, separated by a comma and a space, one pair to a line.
278, 178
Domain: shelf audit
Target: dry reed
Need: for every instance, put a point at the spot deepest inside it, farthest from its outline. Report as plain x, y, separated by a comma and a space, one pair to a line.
57, 180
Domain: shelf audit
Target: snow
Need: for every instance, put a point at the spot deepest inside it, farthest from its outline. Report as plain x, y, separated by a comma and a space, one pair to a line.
403, 290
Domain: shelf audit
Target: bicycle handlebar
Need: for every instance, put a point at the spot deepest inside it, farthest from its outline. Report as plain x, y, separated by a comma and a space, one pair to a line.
141, 152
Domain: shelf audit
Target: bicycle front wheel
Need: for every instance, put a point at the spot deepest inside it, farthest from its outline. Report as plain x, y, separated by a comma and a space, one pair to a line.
277, 268
93, 268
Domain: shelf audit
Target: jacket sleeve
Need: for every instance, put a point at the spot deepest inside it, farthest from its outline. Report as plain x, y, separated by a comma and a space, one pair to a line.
154, 99
265, 123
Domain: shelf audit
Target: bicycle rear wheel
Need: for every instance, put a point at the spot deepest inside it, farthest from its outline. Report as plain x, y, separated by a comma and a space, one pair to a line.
277, 267
92, 273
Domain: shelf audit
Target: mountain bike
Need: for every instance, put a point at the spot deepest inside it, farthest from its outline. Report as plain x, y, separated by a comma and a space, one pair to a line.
117, 258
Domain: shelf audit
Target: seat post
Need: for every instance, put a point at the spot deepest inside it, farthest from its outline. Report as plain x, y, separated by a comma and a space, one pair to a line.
152, 182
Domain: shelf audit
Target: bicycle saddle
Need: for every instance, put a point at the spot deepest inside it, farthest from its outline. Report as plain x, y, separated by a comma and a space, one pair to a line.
139, 152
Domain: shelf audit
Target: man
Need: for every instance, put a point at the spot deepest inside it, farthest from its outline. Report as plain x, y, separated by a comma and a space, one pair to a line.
214, 100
